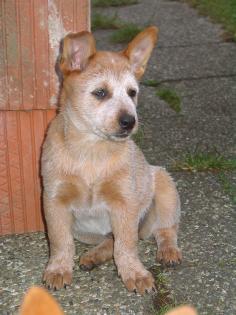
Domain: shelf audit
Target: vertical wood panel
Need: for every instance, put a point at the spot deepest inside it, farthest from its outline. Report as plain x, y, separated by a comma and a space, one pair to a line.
3, 66
27, 169
21, 137
67, 13
41, 48
16, 193
27, 54
5, 202
56, 32
12, 55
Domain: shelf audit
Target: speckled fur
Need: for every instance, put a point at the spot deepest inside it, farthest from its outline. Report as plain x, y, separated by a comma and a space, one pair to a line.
97, 184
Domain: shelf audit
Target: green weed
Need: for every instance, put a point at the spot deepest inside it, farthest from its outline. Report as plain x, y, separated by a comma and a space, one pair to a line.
100, 21
125, 33
112, 3
200, 162
152, 83
171, 98
138, 137
219, 10
162, 301
164, 309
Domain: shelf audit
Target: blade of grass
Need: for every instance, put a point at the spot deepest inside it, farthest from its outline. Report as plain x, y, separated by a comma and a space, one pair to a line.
152, 83
171, 98
112, 3
125, 34
100, 21
200, 162
138, 137
221, 11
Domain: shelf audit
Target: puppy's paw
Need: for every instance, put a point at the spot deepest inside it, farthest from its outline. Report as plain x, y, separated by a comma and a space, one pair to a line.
88, 262
141, 283
169, 255
57, 279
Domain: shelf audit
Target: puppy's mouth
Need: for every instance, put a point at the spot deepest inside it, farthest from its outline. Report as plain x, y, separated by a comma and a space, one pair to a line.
122, 135
118, 136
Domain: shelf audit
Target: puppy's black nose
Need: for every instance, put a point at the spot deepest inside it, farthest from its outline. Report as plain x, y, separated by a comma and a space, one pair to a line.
127, 121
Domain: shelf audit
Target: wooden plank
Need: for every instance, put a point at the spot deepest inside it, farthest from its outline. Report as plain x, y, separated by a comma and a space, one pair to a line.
14, 86
21, 137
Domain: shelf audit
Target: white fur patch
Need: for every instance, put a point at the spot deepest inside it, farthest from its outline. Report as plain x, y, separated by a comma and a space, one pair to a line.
94, 221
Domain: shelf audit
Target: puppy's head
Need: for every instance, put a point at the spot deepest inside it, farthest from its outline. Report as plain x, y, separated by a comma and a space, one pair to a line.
101, 88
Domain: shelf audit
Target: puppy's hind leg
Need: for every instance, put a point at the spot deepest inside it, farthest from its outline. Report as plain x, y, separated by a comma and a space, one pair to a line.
98, 255
167, 210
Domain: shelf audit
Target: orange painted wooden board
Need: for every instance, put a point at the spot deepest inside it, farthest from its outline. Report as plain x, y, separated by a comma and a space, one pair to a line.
21, 137
30, 34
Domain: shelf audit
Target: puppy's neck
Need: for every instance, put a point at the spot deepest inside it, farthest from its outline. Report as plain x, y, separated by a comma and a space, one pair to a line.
90, 156
84, 144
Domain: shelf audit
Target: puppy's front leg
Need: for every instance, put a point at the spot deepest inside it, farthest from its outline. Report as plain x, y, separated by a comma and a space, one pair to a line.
58, 272
125, 229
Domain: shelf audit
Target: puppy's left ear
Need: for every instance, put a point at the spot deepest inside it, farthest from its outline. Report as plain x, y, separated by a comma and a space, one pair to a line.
140, 48
39, 302
77, 48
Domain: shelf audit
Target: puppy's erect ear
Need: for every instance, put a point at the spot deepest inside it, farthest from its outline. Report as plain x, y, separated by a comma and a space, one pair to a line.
39, 302
76, 51
140, 48
183, 310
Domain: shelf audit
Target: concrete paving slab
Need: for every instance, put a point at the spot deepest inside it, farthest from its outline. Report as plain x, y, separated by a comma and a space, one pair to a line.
176, 63
178, 23
23, 258
207, 277
206, 121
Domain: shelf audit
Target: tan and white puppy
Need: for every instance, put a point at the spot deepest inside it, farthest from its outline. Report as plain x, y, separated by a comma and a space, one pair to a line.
98, 186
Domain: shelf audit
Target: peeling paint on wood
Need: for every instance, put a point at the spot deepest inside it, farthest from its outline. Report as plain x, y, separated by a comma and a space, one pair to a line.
30, 33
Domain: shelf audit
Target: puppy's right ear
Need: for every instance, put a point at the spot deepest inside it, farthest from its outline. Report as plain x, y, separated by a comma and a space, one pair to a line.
76, 50
183, 310
38, 301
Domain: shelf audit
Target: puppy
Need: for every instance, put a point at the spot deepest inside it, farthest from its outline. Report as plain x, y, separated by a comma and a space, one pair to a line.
98, 187
38, 302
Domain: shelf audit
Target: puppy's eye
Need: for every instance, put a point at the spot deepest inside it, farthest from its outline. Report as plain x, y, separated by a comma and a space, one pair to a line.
132, 93
100, 93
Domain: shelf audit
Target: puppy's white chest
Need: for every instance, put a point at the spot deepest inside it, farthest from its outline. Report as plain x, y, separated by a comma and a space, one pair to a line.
93, 220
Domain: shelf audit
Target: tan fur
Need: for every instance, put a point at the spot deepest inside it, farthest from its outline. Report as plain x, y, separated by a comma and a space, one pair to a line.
96, 180
37, 301
110, 189
98, 255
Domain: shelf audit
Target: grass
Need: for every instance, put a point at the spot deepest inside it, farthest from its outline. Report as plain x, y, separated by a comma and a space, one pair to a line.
171, 98
200, 162
229, 187
112, 3
100, 21
138, 137
126, 33
152, 83
210, 162
164, 309
227, 262
161, 300
222, 11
